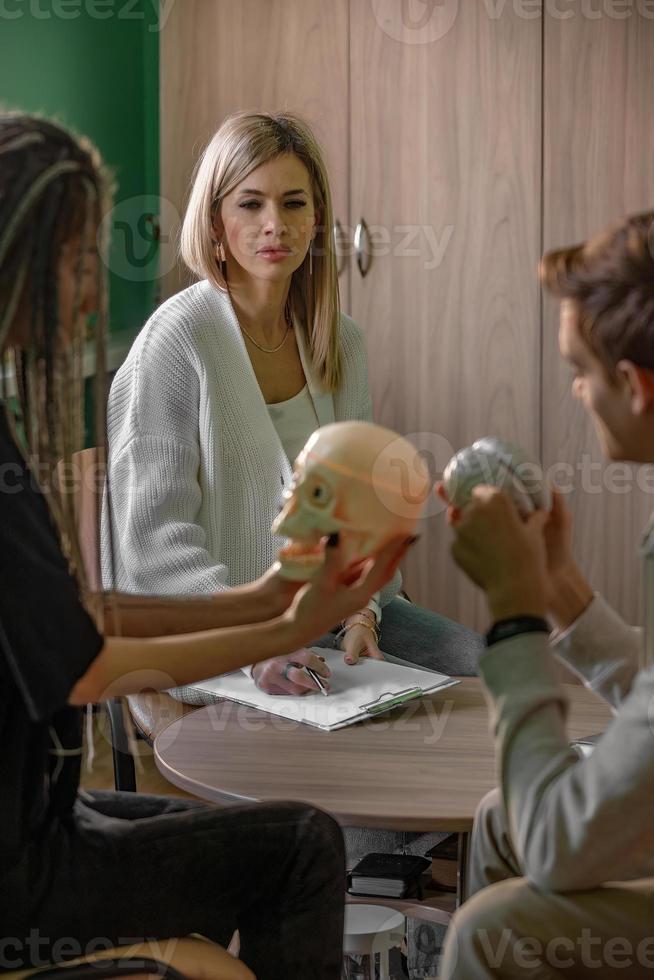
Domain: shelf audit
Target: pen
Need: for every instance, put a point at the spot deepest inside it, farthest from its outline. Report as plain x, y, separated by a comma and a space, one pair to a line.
317, 680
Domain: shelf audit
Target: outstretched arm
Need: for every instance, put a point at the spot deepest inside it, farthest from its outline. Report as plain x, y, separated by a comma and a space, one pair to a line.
123, 614
128, 665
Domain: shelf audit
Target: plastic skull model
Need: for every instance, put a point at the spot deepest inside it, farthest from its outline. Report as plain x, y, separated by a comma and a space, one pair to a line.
497, 463
358, 479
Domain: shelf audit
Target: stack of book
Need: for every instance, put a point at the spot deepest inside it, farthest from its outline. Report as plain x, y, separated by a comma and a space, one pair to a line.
387, 875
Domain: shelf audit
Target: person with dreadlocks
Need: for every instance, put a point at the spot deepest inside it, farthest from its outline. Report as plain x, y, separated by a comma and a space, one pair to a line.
84, 870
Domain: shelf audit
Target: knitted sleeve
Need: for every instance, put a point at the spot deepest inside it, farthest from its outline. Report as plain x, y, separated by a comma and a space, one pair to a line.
155, 499
154, 459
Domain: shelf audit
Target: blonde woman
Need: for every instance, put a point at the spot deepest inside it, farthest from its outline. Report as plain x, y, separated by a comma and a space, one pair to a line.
227, 381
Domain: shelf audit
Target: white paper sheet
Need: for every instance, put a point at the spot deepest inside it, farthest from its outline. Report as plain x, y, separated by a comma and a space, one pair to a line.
355, 691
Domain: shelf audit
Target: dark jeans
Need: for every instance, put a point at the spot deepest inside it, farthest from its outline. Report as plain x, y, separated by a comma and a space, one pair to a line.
133, 867
421, 638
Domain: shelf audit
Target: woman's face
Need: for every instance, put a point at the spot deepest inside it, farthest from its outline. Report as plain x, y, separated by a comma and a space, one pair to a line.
267, 222
70, 274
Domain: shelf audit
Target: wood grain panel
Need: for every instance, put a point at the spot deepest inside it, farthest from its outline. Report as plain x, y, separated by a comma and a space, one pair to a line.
598, 153
220, 56
424, 767
446, 142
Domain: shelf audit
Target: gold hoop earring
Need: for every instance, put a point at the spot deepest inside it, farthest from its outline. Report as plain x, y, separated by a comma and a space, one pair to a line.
222, 258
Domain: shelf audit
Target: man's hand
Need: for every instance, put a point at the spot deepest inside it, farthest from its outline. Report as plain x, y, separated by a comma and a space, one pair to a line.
569, 592
276, 676
502, 553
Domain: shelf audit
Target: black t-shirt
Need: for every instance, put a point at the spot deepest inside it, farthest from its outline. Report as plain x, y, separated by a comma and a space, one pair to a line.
47, 642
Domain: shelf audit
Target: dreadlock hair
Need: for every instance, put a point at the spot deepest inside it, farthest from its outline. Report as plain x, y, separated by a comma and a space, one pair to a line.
53, 193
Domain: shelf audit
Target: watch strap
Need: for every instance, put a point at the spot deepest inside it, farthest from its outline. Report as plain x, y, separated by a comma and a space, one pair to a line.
505, 629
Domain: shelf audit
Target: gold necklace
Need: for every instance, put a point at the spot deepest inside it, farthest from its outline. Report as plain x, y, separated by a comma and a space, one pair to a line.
271, 350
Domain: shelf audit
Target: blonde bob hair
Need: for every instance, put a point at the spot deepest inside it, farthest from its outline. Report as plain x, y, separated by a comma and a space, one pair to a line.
245, 141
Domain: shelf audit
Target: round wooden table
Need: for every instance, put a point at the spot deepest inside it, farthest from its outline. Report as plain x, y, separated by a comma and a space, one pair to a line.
424, 767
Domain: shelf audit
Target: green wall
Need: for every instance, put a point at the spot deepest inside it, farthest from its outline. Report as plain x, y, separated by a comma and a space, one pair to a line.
94, 65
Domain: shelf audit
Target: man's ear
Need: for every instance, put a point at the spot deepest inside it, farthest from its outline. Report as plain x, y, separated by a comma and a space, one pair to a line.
640, 382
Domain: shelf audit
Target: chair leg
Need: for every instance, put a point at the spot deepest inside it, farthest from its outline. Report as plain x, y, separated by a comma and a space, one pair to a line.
124, 770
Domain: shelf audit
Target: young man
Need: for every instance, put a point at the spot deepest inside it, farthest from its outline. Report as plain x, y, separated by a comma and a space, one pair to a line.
562, 862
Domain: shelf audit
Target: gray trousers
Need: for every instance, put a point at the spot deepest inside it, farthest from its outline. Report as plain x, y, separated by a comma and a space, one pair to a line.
125, 867
509, 929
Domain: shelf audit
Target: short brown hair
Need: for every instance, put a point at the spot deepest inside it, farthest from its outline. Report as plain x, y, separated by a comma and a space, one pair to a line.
611, 279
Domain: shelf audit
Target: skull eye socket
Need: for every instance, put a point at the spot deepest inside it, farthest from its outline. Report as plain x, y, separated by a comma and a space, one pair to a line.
320, 495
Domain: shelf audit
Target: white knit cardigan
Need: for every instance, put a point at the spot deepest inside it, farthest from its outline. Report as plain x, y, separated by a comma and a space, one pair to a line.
196, 468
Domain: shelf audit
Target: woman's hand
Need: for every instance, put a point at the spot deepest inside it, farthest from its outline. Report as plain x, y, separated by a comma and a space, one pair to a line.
360, 640
274, 592
277, 676
338, 590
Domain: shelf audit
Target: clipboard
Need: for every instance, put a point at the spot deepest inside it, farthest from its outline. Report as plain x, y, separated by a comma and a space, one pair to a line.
357, 692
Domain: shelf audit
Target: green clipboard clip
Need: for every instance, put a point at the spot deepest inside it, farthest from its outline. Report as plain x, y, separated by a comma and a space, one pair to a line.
377, 706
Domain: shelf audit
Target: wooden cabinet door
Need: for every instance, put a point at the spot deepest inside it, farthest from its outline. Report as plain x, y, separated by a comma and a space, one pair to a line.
220, 56
446, 147
598, 167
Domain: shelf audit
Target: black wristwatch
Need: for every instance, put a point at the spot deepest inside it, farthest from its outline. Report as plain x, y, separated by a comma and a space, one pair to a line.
504, 629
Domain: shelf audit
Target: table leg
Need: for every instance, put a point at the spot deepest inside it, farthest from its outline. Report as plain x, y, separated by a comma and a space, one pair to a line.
462, 869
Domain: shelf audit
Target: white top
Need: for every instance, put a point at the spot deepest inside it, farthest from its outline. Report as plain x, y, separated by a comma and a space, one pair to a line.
196, 467
295, 420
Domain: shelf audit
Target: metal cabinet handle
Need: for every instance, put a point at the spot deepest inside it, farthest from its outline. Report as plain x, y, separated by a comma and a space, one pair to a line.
362, 248
341, 258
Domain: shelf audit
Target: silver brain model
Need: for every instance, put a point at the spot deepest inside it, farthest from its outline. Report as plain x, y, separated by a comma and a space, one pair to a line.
497, 463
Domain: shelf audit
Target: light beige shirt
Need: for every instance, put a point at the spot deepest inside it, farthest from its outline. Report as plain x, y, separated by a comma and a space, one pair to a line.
575, 823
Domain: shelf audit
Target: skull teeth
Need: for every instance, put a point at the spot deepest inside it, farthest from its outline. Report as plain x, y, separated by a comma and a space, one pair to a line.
301, 552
